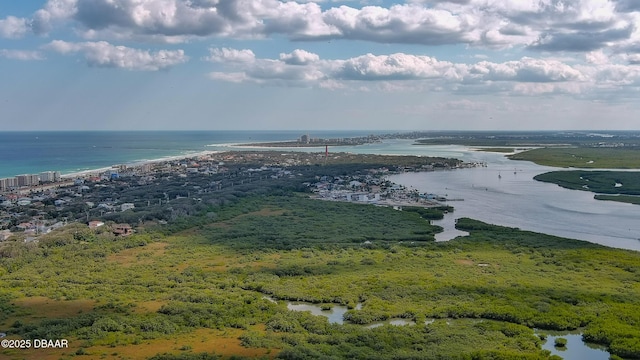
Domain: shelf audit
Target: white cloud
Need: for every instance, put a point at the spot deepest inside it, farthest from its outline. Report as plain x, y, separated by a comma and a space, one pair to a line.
297, 21
230, 55
532, 89
394, 67
53, 12
525, 70
21, 54
63, 47
548, 25
597, 57
401, 67
465, 105
229, 76
299, 57
616, 76
168, 20
402, 24
12, 27
103, 54
405, 72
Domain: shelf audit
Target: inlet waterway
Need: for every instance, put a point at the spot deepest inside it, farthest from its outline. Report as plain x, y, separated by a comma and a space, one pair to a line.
504, 193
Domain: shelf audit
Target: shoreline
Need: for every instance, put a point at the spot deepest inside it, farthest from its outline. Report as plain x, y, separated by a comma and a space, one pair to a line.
131, 163
202, 154
137, 163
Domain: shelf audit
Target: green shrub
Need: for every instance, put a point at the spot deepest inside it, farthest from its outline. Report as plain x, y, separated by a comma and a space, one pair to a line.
560, 342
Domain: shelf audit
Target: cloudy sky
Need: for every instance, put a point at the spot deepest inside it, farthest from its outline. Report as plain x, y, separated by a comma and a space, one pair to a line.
319, 64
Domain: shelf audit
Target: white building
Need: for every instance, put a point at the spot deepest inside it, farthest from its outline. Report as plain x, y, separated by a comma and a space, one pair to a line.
24, 201
127, 206
27, 180
8, 183
50, 176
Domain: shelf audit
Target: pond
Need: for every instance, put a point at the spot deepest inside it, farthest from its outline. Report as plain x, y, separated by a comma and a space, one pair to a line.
576, 349
335, 314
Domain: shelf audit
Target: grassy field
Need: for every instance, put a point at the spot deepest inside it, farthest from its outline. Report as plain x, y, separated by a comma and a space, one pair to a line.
198, 293
583, 157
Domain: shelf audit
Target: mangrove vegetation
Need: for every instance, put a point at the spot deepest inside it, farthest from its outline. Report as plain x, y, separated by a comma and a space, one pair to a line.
201, 287
622, 186
583, 157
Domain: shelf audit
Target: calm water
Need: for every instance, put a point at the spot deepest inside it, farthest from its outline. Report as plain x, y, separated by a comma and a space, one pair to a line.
335, 315
74, 151
516, 200
504, 193
511, 199
576, 349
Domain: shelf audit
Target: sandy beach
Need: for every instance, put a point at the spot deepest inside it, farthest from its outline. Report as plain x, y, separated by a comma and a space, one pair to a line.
98, 171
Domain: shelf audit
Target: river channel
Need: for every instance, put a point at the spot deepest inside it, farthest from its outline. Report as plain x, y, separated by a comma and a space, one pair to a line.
504, 193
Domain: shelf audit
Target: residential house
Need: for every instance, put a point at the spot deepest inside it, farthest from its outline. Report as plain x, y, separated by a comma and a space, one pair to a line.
122, 230
95, 224
127, 206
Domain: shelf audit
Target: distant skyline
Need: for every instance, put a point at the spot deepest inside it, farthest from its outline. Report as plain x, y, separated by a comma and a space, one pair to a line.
316, 65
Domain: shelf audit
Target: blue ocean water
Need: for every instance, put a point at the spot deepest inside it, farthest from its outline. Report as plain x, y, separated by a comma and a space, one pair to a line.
74, 151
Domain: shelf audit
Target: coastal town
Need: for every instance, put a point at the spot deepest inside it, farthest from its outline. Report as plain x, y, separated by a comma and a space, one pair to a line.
307, 140
125, 196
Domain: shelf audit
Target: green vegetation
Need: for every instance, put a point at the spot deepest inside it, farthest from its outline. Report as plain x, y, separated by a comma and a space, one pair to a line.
583, 157
628, 183
617, 183
560, 342
194, 289
290, 222
525, 138
433, 213
619, 198
497, 150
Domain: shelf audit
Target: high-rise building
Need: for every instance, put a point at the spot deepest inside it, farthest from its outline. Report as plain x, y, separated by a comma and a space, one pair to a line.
27, 180
7, 183
50, 176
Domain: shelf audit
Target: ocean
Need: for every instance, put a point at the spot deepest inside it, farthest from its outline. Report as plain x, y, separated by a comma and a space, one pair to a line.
513, 199
75, 151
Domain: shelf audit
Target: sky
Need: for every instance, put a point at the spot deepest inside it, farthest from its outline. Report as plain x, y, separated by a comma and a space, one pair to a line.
319, 65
